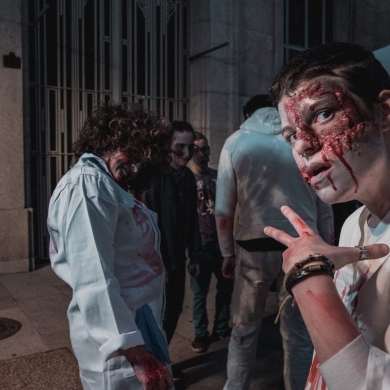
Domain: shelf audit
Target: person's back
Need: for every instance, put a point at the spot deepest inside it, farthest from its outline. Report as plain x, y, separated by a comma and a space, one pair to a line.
267, 177
256, 176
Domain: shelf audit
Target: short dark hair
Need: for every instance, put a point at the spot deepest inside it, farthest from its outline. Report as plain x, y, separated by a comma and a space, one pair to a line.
199, 136
256, 102
139, 133
365, 75
180, 127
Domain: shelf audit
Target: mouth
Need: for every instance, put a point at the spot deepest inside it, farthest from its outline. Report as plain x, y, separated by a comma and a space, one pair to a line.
316, 172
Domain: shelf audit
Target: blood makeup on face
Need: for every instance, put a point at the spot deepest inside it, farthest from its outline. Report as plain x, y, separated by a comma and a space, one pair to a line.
339, 137
178, 153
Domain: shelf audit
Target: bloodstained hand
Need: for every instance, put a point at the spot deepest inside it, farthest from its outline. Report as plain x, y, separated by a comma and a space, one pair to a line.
149, 371
228, 267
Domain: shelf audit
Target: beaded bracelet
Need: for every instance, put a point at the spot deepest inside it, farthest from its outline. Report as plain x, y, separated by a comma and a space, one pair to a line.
309, 259
301, 273
315, 257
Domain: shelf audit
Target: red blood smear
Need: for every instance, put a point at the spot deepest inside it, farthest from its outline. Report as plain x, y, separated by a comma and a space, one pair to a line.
178, 153
153, 369
331, 181
301, 224
222, 224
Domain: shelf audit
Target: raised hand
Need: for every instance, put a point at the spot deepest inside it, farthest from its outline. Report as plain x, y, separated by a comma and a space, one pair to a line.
310, 242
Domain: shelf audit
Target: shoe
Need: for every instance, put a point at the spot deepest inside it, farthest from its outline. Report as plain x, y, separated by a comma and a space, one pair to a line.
200, 344
178, 374
223, 336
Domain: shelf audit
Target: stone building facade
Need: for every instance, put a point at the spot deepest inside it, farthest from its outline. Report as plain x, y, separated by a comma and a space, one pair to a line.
197, 60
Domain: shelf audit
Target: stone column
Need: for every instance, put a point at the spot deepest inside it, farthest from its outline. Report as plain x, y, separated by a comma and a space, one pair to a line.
222, 80
15, 218
213, 75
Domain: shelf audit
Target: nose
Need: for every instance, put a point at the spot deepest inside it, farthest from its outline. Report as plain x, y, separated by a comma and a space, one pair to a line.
187, 152
306, 148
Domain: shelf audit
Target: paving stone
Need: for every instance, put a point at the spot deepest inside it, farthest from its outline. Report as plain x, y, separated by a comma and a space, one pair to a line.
48, 313
27, 285
25, 342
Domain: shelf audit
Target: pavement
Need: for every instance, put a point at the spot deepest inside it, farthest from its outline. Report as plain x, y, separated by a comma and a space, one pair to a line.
39, 300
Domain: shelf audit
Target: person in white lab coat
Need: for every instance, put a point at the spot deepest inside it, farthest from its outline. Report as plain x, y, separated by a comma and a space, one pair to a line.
105, 244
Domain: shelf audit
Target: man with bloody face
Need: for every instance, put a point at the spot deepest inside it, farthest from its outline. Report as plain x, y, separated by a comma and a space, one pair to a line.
173, 197
334, 103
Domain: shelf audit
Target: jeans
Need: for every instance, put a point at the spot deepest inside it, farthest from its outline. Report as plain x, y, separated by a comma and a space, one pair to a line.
200, 288
255, 272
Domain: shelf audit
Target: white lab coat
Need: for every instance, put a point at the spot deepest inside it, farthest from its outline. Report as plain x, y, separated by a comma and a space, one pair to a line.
95, 247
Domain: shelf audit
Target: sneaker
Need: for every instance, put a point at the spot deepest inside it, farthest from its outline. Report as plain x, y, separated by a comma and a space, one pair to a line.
200, 344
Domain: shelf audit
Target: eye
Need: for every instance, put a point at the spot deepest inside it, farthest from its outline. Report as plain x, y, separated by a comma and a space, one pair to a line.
179, 147
291, 137
324, 116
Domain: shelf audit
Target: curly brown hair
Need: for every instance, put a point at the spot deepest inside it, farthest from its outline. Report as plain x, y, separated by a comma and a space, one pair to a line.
142, 135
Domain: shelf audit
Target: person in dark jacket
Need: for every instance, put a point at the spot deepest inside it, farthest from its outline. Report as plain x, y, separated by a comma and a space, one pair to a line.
174, 198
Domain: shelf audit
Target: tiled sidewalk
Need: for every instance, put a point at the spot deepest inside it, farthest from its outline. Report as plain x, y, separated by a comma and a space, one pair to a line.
39, 301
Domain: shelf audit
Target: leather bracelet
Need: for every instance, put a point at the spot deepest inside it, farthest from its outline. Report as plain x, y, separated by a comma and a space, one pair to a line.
314, 257
301, 273
308, 259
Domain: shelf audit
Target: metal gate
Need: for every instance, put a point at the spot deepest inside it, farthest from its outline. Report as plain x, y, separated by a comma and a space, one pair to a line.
86, 51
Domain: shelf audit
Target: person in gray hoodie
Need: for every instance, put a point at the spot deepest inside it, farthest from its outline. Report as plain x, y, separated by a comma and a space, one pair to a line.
256, 176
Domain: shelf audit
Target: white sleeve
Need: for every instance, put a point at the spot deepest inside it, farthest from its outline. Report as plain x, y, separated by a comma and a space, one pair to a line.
89, 227
358, 366
325, 223
225, 202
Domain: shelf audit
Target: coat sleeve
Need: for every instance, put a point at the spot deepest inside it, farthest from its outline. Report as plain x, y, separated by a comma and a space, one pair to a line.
225, 203
358, 366
90, 215
153, 202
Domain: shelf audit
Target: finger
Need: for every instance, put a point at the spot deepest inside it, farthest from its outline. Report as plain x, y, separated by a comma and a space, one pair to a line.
376, 251
298, 223
279, 235
162, 385
350, 255
169, 381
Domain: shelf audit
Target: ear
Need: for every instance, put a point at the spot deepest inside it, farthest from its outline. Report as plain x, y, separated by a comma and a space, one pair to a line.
384, 100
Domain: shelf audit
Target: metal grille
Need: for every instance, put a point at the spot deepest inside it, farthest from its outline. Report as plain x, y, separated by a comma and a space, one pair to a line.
88, 51
307, 23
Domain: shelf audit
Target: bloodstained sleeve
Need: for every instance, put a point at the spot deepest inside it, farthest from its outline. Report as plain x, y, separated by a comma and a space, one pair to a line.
225, 203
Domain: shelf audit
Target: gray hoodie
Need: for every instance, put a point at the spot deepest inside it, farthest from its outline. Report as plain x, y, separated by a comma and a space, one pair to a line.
257, 175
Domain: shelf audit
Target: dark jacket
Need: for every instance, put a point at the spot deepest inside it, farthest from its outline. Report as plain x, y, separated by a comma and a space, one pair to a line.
174, 198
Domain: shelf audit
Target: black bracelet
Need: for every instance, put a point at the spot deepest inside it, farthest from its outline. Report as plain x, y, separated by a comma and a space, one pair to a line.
311, 258
309, 270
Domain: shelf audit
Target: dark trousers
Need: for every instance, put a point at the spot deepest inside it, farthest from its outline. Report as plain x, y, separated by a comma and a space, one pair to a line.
174, 293
200, 288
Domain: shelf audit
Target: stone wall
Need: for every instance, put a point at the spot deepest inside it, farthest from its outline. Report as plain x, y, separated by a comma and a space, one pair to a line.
15, 233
